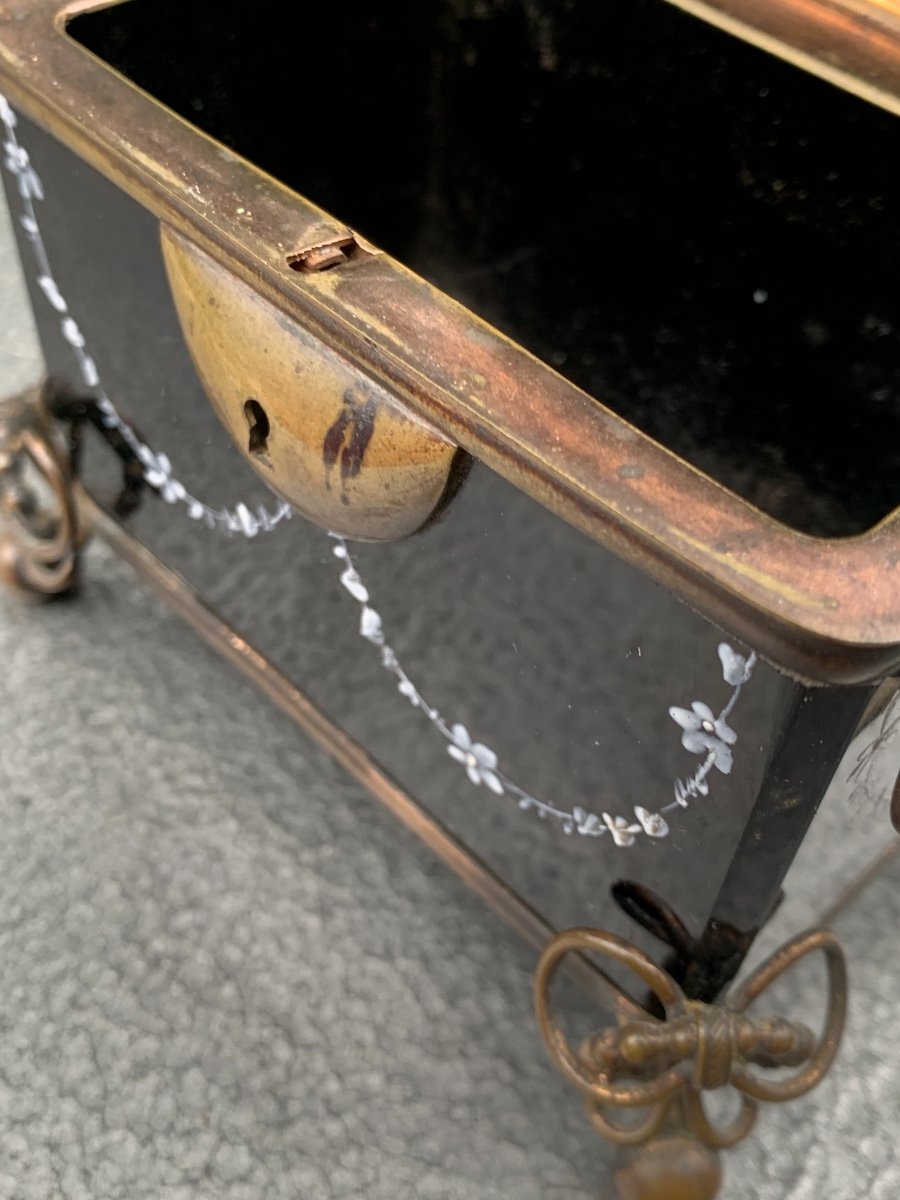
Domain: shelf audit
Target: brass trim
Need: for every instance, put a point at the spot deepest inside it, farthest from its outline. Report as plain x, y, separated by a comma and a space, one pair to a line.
823, 610
666, 1066
40, 534
850, 43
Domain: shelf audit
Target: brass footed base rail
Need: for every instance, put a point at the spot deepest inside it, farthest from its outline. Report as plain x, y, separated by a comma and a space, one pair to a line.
664, 1066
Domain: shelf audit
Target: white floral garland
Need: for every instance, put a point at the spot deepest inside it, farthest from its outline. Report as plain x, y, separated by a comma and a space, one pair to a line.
157, 468
702, 731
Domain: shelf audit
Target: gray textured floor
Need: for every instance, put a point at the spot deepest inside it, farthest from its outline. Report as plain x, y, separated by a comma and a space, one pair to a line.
224, 973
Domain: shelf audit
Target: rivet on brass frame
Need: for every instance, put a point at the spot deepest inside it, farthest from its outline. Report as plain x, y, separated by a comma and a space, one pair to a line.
665, 1066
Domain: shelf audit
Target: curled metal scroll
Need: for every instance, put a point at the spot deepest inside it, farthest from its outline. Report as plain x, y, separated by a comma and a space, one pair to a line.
39, 527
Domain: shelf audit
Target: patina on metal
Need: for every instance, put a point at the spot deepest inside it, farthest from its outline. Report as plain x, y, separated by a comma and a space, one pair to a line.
40, 530
330, 441
852, 43
664, 1067
823, 610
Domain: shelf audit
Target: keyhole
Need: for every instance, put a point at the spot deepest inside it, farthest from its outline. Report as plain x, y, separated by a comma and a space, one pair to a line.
259, 427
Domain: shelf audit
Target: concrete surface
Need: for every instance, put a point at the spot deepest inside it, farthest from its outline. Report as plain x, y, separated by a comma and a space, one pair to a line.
224, 973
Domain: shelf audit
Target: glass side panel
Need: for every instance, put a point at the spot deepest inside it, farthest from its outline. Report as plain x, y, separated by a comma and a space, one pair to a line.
557, 657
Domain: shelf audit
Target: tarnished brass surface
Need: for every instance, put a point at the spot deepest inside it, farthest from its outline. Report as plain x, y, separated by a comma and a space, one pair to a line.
852, 43
330, 441
824, 610
39, 528
665, 1066
672, 1166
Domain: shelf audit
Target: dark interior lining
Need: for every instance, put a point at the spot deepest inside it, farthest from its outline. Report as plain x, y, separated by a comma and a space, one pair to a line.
701, 236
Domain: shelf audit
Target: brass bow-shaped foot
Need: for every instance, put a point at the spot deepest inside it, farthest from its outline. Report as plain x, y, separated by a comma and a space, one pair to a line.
39, 531
665, 1066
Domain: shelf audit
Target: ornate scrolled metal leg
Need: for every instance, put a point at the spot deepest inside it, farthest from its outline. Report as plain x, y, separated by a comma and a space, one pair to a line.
665, 1066
40, 534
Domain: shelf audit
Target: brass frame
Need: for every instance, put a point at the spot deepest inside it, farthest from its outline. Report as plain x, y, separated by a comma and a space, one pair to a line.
823, 610
851, 43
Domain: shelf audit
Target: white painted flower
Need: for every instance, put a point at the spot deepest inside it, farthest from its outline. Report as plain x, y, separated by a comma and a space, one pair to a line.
157, 472
28, 180
18, 162
156, 476
653, 824
354, 585
702, 731
586, 823
172, 491
16, 157
30, 186
479, 760
48, 286
370, 626
736, 669
407, 688
72, 333
622, 830
151, 461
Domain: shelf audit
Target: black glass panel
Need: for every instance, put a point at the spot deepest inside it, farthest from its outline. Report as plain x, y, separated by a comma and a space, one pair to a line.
559, 657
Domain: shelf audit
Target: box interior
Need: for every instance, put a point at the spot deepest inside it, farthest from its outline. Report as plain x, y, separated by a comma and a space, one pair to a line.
701, 236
